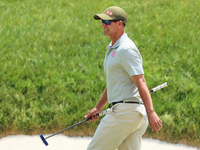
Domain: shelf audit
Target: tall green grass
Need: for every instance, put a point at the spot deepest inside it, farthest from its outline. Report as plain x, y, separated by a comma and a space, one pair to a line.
51, 55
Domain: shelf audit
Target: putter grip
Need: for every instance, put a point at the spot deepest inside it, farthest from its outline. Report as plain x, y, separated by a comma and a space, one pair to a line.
159, 87
103, 112
100, 114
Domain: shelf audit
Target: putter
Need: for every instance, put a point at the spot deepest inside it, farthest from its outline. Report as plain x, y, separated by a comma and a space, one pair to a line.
44, 139
100, 114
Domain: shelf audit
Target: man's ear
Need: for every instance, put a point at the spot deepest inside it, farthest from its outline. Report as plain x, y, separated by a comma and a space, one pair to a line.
120, 23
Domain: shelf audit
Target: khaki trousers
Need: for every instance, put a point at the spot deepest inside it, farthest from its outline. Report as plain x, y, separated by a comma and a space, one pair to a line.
122, 128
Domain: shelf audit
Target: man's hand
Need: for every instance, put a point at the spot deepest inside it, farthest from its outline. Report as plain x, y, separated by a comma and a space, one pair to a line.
154, 121
93, 113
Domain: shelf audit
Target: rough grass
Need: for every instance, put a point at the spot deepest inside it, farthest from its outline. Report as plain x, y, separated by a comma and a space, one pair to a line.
51, 55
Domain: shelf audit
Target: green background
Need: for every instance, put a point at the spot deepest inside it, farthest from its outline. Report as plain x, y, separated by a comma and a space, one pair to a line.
51, 71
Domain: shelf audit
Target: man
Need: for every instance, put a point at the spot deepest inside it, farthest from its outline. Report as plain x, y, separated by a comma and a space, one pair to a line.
126, 91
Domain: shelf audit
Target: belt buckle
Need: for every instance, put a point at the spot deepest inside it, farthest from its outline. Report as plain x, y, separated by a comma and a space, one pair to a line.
111, 105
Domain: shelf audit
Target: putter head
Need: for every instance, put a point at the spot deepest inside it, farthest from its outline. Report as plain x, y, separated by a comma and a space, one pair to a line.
43, 139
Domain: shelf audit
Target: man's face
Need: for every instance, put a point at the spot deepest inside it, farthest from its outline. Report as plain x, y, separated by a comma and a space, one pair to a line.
110, 30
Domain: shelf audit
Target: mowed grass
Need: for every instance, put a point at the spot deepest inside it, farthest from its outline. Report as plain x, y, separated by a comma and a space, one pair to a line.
51, 55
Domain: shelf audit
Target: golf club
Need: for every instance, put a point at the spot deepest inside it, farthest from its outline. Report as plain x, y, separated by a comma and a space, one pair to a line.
100, 114
44, 139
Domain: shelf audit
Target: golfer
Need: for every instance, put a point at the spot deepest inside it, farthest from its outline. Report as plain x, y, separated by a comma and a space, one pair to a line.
126, 90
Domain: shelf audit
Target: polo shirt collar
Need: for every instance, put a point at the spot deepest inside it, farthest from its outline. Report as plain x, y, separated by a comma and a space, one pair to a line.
117, 43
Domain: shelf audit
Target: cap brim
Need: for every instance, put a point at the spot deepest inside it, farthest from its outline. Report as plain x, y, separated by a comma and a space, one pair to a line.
102, 17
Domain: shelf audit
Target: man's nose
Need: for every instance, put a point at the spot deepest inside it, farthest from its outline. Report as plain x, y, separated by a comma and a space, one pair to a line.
103, 25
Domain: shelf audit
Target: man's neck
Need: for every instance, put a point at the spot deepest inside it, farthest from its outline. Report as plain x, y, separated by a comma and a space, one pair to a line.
116, 37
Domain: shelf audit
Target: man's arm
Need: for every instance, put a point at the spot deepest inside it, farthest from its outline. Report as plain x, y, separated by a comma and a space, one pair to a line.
98, 107
153, 118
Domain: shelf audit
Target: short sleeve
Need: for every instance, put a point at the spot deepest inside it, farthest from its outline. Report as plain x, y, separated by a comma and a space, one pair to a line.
131, 61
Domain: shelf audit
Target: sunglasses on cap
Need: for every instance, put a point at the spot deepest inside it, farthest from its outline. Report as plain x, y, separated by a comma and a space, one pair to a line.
108, 22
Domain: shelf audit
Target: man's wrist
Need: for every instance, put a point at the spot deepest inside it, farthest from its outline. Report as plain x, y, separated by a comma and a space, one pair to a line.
150, 111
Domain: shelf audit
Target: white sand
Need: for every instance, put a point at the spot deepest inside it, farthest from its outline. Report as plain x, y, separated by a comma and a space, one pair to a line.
62, 142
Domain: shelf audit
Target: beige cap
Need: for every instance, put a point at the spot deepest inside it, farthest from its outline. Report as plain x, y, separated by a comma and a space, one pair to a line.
112, 13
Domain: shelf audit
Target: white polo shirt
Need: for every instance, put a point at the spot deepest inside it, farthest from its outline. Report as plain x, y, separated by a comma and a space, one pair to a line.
122, 61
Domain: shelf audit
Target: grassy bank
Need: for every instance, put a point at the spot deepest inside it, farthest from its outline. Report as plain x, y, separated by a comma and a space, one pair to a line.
51, 55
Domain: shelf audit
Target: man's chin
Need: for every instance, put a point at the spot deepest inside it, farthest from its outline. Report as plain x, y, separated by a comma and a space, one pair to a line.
106, 34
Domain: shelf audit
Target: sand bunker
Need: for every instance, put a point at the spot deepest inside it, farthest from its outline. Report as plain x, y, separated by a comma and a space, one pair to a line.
62, 142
